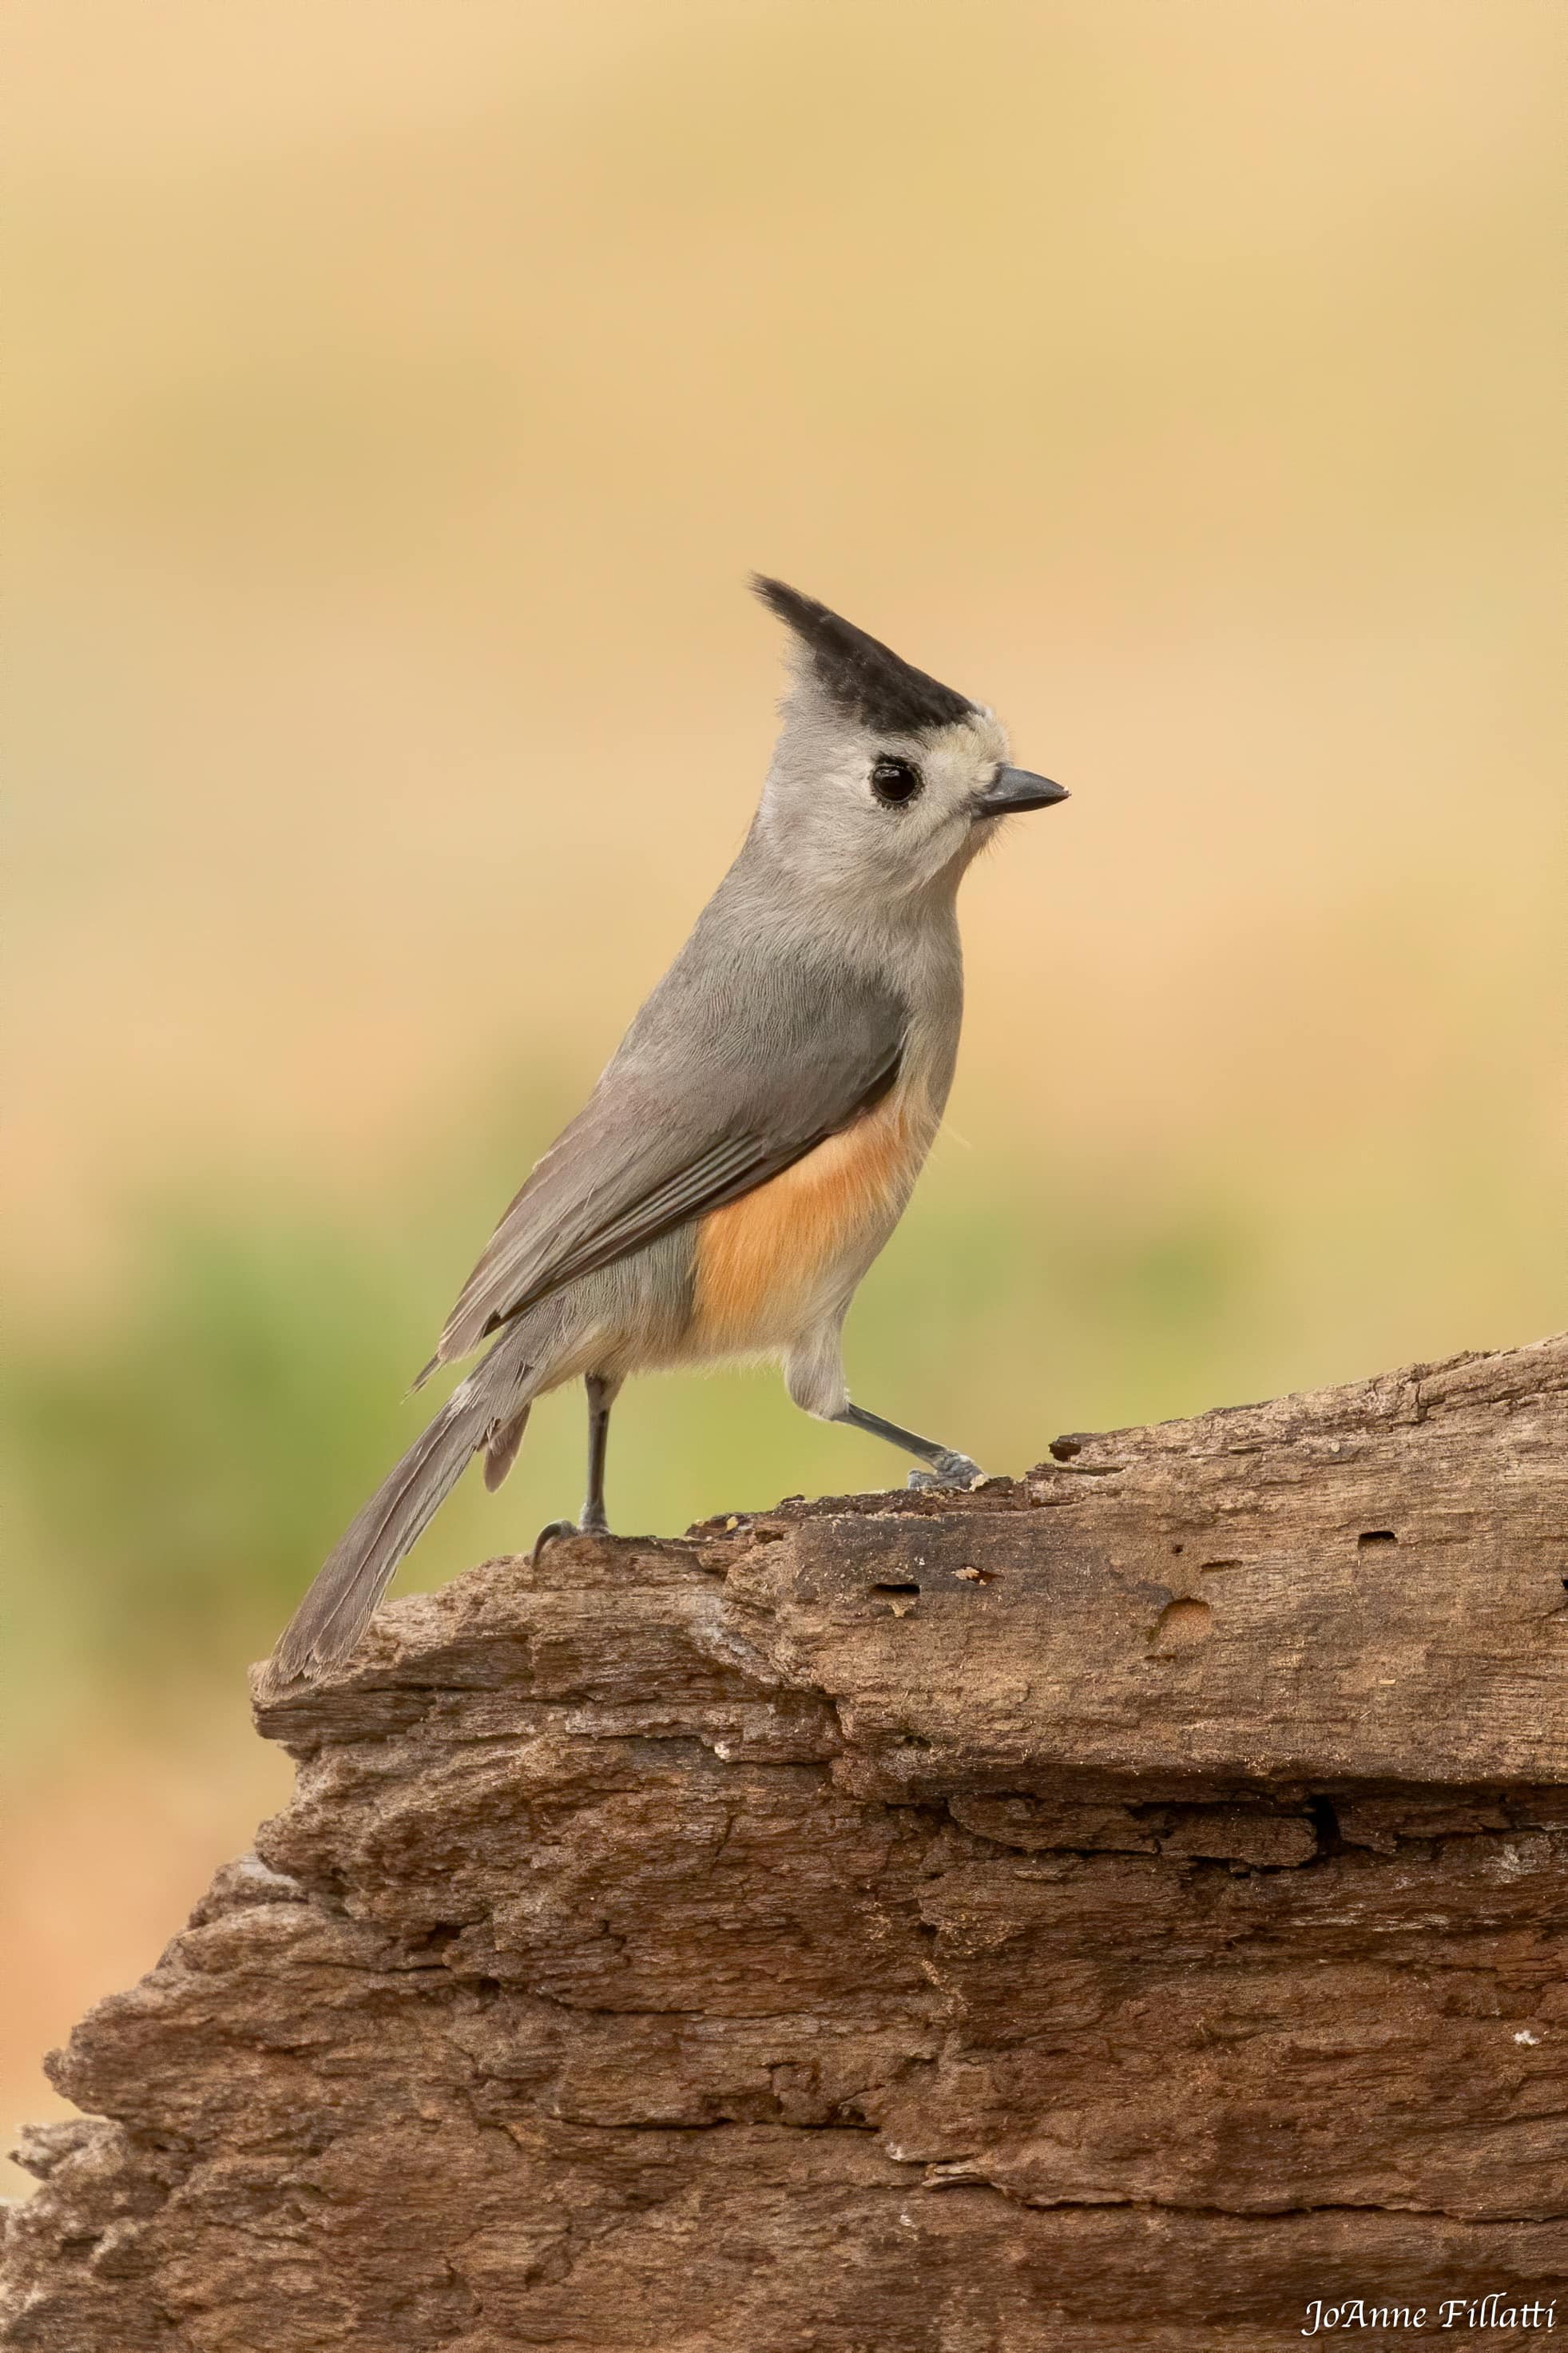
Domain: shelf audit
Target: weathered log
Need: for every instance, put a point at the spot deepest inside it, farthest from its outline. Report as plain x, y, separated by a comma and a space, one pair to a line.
1112, 1909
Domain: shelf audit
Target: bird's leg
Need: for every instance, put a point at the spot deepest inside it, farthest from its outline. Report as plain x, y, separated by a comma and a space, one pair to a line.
947, 1469
602, 1395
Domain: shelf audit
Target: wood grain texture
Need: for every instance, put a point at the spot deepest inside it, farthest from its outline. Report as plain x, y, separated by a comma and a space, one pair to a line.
1107, 1910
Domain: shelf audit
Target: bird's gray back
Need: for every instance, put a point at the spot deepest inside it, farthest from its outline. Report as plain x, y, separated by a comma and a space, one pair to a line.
791, 999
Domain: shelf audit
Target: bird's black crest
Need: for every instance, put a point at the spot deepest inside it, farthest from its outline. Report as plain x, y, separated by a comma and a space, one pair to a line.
866, 678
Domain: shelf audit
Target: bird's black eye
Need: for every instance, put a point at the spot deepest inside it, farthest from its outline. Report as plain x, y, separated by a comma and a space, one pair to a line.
896, 783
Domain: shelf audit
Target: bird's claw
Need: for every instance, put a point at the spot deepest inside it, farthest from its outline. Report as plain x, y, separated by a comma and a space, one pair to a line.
588, 1526
552, 1529
947, 1471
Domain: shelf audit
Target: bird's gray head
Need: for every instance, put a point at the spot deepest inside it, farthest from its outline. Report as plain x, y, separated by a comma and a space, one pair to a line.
884, 782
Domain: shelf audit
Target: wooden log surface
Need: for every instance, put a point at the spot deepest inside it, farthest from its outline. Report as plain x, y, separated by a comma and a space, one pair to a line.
1112, 1909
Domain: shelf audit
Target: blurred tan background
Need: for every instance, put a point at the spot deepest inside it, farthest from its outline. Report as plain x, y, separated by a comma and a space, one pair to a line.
398, 397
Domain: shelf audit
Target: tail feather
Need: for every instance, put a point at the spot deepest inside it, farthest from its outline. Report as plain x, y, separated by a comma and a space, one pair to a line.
334, 1613
500, 1450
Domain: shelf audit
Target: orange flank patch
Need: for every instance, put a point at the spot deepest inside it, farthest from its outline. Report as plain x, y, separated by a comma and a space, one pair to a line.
763, 1261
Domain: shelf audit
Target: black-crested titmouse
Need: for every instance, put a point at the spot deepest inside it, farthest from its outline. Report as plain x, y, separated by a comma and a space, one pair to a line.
754, 1140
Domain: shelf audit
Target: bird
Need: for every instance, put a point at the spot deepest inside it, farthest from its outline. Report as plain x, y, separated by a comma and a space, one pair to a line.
757, 1135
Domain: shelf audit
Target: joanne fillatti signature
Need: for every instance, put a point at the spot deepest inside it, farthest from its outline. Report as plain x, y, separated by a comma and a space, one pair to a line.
1451, 2311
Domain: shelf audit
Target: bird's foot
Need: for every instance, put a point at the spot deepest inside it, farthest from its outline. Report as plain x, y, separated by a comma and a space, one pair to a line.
947, 1471
547, 1536
590, 1524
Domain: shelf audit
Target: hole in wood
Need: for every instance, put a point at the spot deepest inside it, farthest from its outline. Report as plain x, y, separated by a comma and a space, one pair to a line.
895, 1588
1371, 1536
1182, 1623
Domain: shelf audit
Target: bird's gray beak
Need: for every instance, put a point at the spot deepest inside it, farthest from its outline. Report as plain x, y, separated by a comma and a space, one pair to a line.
1012, 789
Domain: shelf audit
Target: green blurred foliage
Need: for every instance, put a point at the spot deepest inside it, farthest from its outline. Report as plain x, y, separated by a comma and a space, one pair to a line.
181, 1461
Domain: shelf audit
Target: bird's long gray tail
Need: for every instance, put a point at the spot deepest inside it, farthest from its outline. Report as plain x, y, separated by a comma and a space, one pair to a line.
334, 1613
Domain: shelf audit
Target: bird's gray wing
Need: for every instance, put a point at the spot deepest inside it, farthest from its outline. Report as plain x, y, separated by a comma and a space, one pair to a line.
706, 1101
